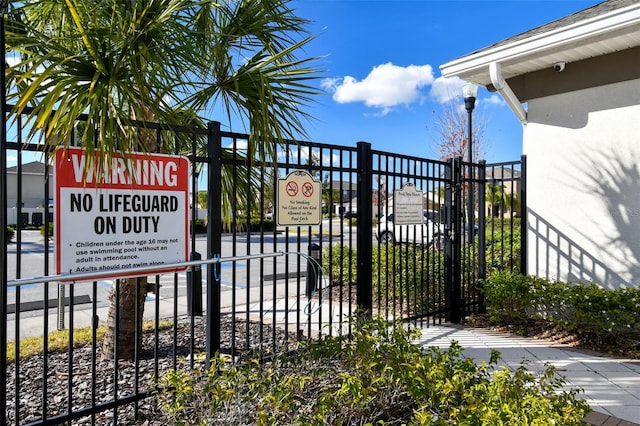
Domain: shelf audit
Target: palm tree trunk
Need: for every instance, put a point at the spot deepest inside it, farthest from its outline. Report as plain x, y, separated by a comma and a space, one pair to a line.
122, 321
123, 324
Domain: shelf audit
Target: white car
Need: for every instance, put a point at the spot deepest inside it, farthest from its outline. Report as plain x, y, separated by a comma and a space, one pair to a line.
429, 233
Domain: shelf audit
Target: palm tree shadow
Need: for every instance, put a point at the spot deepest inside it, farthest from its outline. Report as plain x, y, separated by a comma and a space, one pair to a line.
614, 179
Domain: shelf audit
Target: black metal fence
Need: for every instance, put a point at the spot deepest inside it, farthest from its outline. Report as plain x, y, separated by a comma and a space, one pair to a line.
254, 288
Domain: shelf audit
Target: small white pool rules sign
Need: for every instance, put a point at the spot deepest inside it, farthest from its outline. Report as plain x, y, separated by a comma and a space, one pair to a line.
129, 212
408, 205
299, 200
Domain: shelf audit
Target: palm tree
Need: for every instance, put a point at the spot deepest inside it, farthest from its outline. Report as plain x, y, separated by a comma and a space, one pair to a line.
499, 199
156, 60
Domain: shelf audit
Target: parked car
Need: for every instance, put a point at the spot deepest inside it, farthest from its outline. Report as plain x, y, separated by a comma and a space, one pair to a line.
429, 233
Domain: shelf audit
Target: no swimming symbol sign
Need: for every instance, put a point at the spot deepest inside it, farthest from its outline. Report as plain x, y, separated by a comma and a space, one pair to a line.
299, 200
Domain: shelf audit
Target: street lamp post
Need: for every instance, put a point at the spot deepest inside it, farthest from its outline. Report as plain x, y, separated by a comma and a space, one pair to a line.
470, 92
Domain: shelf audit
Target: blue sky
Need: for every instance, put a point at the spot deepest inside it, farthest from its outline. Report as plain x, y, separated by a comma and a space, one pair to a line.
380, 68
381, 61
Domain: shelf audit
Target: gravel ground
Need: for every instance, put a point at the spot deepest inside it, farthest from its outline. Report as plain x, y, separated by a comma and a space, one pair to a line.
106, 386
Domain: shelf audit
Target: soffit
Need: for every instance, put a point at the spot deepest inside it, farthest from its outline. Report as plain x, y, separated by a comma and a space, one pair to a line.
605, 28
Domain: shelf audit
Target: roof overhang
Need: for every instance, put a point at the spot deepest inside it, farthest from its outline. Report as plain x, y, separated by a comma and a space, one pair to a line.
609, 32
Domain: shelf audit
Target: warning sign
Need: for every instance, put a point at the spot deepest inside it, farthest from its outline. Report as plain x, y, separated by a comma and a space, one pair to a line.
299, 200
131, 212
408, 205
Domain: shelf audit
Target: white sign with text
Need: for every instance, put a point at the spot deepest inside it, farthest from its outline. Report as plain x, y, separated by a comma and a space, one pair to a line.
408, 205
129, 212
299, 200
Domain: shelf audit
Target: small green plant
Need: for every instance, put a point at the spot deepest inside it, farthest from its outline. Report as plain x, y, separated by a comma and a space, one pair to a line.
503, 237
10, 233
339, 262
510, 296
49, 230
252, 224
375, 376
407, 277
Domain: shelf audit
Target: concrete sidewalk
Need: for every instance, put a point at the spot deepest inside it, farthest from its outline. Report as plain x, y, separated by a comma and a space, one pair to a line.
611, 386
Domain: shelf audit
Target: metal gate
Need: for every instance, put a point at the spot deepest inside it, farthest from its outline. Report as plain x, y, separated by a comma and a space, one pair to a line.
252, 288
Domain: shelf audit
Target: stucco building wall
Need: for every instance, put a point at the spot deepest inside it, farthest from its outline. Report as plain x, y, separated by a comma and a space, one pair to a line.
583, 158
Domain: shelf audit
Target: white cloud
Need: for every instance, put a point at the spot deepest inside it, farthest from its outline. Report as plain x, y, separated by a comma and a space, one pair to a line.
495, 100
444, 89
240, 145
385, 87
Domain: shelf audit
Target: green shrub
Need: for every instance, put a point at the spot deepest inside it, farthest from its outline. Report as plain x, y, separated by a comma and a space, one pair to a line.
10, 233
510, 296
606, 314
49, 230
503, 237
408, 277
585, 309
377, 376
255, 224
340, 263
405, 277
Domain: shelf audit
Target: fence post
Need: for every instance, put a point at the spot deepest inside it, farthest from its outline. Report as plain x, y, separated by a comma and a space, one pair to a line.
365, 224
214, 243
448, 240
4, 274
523, 215
458, 226
453, 245
482, 227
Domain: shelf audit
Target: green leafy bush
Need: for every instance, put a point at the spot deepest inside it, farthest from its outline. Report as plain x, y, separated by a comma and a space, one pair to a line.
606, 314
510, 297
49, 230
377, 376
254, 224
10, 233
408, 277
405, 277
340, 263
503, 237
585, 309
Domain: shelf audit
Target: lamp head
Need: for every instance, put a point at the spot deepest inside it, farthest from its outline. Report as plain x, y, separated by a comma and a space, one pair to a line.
470, 93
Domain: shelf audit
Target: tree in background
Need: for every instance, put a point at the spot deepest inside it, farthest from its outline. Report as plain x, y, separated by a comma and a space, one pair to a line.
451, 128
452, 136
155, 60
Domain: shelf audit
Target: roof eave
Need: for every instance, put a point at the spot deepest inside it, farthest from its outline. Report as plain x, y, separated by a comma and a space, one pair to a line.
475, 66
